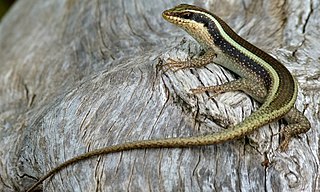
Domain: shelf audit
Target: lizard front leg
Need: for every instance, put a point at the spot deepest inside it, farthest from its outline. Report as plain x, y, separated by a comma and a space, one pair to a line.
205, 59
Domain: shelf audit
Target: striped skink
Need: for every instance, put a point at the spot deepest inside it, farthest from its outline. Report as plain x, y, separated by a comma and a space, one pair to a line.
261, 76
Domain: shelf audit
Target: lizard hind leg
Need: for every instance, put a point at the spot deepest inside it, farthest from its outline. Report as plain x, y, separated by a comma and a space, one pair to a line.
248, 86
297, 123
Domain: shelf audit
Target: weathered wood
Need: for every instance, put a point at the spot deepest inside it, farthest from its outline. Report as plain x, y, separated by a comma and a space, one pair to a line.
80, 75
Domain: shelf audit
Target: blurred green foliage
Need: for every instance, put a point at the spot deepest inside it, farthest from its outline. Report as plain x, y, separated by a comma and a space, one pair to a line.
4, 6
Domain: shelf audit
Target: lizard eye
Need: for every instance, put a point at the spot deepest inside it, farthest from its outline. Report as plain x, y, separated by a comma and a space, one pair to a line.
187, 15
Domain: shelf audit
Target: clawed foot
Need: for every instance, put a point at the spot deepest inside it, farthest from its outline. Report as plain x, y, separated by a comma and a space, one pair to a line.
285, 143
175, 65
212, 89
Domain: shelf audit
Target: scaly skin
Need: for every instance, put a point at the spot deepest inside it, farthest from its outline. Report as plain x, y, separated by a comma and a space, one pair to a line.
262, 77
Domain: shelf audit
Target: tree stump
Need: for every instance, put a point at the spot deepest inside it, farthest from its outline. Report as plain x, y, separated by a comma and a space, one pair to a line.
81, 75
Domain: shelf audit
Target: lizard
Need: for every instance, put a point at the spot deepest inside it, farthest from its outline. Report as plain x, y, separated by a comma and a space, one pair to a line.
261, 76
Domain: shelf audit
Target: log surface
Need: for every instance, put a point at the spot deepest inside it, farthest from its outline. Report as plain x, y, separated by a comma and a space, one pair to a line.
80, 75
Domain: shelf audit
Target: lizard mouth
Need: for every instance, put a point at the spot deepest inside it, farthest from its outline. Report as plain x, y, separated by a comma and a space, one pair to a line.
172, 17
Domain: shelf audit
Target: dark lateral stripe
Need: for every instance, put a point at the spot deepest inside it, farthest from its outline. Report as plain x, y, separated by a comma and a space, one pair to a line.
227, 48
286, 83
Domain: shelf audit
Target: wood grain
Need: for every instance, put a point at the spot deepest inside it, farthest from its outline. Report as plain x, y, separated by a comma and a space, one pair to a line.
80, 75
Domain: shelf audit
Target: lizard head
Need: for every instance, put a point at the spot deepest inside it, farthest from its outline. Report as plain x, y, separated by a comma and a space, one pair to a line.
194, 20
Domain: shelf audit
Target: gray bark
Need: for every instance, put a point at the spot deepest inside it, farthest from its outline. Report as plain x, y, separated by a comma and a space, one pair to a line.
80, 75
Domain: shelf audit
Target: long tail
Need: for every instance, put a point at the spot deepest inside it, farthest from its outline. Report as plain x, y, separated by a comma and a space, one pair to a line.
244, 128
